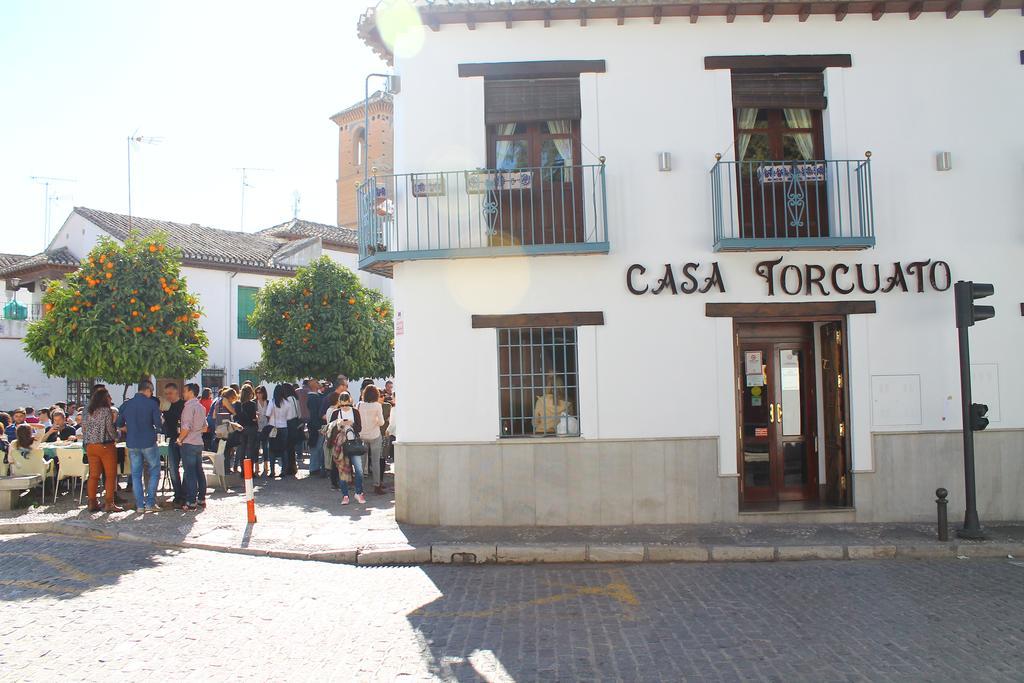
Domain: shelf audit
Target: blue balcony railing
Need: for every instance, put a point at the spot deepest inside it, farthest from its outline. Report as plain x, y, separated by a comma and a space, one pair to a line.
762, 205
482, 212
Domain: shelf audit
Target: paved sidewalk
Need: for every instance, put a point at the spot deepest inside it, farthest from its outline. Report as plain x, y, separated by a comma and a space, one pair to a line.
303, 519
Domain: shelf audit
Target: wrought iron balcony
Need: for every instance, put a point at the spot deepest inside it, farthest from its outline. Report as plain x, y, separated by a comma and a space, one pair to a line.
482, 212
764, 205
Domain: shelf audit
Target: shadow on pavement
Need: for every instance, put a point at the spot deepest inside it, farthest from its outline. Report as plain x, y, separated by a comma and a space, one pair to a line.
35, 565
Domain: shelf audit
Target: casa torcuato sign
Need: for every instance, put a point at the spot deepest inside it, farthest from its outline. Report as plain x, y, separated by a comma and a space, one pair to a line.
795, 279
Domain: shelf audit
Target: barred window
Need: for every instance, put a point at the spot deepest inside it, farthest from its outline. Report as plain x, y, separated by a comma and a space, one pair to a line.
79, 391
212, 378
538, 381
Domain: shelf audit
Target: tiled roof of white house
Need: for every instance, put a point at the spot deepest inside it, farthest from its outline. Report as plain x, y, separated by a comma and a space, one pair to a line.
11, 259
330, 235
435, 13
267, 251
199, 244
22, 264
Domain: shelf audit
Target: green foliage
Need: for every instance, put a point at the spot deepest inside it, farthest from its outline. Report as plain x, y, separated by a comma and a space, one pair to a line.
323, 322
124, 314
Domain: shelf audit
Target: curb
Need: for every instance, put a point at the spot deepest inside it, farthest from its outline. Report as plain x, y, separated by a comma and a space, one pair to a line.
544, 553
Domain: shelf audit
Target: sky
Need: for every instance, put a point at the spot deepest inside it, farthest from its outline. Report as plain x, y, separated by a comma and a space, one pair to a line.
225, 85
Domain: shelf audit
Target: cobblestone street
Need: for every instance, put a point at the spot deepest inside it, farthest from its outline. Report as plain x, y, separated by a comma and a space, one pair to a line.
99, 608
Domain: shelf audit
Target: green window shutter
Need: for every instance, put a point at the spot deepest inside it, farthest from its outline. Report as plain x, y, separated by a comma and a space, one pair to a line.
246, 305
248, 376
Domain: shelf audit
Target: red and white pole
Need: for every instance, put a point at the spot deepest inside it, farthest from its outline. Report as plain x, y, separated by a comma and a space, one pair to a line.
250, 497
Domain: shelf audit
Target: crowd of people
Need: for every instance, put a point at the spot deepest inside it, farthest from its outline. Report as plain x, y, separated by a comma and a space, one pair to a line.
344, 438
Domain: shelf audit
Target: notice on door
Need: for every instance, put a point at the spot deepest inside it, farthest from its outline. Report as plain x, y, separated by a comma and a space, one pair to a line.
791, 379
752, 363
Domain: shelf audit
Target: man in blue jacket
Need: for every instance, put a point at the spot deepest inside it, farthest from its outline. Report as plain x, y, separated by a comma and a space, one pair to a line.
140, 415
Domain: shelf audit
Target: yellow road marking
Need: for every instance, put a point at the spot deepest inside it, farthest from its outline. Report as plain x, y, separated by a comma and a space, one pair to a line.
619, 591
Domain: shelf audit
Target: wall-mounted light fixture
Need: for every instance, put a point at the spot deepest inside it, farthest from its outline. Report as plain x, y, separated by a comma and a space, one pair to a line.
943, 161
664, 161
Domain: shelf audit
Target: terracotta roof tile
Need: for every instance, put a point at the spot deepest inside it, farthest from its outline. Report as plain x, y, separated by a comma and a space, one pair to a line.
198, 243
328, 234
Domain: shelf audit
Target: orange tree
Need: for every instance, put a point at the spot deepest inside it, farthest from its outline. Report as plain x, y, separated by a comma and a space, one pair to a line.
124, 314
323, 322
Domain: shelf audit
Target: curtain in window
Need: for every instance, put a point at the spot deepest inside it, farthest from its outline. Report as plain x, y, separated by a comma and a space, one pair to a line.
563, 145
801, 118
503, 155
745, 118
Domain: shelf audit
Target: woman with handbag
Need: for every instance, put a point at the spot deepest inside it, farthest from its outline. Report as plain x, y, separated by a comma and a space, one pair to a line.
245, 415
99, 437
296, 435
279, 412
263, 429
372, 419
344, 425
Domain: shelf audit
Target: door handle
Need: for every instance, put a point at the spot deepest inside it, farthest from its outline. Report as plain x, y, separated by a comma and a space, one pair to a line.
778, 413
771, 413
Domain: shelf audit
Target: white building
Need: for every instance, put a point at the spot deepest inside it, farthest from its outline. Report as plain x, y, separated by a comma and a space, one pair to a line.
223, 268
679, 242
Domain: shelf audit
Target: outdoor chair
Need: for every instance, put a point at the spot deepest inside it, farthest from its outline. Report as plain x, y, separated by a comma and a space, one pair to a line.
71, 467
218, 463
25, 462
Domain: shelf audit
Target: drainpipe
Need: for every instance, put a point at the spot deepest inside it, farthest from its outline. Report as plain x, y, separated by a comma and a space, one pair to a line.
227, 366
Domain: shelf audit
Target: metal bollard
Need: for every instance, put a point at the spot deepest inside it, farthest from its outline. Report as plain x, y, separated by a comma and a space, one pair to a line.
940, 503
250, 498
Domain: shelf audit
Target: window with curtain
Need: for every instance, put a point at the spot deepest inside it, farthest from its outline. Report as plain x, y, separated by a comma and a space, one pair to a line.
778, 115
246, 305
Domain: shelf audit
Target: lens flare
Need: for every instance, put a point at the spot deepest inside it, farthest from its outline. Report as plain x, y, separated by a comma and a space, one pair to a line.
400, 27
488, 285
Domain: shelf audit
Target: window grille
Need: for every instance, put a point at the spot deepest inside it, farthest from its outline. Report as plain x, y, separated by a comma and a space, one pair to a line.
79, 391
538, 381
212, 378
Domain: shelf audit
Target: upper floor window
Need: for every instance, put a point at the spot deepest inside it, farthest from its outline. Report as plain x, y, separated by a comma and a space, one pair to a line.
533, 127
359, 147
778, 116
246, 305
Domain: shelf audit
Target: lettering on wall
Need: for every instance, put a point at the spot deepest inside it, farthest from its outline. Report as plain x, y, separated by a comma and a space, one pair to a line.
793, 280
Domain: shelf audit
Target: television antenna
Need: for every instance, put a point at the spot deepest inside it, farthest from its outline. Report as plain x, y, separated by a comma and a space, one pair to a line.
296, 201
245, 183
48, 199
138, 140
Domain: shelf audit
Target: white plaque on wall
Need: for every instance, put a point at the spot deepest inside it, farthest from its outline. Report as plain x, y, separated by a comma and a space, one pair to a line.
895, 400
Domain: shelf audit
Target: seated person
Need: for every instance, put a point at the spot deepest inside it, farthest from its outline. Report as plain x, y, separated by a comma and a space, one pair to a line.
60, 430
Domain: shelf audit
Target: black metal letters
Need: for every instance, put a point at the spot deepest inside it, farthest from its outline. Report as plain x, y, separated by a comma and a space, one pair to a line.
792, 279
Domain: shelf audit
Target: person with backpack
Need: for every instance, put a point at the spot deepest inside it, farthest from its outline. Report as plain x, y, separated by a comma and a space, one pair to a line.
343, 428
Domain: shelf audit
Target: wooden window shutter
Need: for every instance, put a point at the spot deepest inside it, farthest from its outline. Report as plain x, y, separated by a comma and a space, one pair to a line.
778, 90
246, 305
539, 99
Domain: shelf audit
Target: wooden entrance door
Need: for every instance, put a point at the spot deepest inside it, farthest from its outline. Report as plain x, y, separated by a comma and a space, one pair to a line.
550, 209
838, 476
778, 422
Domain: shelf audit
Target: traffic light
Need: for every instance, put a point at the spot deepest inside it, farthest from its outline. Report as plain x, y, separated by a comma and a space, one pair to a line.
978, 419
965, 293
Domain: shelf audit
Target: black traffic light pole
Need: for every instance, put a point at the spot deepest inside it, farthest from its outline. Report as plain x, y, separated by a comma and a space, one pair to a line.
972, 525
966, 315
